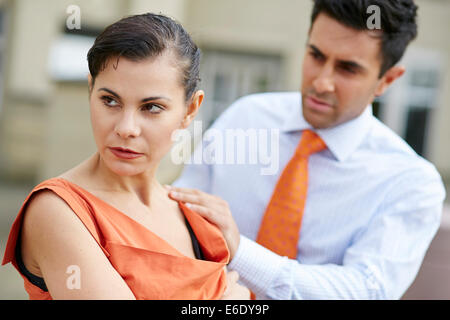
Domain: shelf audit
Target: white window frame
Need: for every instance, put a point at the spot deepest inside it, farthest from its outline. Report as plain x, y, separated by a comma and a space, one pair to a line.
67, 59
403, 95
241, 69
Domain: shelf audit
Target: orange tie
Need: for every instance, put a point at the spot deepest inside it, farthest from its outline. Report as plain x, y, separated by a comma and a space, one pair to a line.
280, 226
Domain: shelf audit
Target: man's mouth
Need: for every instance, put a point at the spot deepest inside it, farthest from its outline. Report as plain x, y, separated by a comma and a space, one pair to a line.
317, 104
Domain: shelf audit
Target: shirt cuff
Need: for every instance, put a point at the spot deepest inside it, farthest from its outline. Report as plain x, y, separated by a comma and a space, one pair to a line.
257, 266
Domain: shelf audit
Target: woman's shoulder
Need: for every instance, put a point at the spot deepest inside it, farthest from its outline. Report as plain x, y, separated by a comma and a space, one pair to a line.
46, 209
50, 193
45, 197
44, 203
43, 215
53, 203
57, 198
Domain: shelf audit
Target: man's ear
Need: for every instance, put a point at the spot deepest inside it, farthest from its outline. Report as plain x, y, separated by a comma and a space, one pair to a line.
192, 108
388, 78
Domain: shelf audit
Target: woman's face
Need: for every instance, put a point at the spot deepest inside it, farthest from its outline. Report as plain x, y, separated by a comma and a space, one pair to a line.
137, 106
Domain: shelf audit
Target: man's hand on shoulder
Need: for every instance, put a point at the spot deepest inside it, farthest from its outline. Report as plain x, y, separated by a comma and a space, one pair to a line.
212, 208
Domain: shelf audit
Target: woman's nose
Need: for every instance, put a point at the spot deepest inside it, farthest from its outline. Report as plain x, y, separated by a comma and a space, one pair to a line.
127, 126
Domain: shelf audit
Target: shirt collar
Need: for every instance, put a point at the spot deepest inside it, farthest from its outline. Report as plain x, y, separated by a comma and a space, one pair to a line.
341, 140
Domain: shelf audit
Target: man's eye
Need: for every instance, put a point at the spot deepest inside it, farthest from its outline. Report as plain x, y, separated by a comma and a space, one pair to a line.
315, 55
153, 108
348, 69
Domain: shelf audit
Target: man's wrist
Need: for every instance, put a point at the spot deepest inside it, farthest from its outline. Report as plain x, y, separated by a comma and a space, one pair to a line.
256, 265
234, 246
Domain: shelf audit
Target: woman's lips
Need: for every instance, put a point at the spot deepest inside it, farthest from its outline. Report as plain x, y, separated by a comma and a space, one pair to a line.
122, 154
317, 105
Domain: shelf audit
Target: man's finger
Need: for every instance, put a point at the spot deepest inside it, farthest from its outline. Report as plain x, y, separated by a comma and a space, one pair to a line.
185, 197
184, 190
232, 276
199, 197
205, 213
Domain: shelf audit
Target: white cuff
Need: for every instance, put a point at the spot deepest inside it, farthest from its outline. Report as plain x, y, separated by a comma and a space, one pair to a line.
256, 265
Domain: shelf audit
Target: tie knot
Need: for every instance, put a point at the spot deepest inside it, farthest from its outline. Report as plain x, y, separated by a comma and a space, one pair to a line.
310, 143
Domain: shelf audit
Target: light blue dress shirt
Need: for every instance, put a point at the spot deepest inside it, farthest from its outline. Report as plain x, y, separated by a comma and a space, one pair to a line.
372, 209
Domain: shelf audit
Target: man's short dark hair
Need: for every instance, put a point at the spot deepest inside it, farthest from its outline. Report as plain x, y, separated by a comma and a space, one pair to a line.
398, 23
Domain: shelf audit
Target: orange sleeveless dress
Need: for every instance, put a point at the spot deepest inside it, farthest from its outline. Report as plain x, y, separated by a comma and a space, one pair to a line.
150, 266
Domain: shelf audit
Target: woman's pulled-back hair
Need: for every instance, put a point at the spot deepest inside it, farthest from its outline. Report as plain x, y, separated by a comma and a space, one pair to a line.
144, 36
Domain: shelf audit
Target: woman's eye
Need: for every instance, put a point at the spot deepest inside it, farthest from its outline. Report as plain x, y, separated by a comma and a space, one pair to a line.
153, 108
110, 102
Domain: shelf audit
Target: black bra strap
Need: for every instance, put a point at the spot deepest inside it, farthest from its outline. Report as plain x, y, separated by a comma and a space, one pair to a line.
34, 279
197, 250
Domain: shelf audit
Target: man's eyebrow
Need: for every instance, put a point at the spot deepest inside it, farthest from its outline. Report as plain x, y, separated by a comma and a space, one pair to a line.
351, 64
143, 100
316, 50
347, 63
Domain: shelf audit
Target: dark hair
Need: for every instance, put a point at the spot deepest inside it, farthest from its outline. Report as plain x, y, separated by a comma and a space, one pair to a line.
143, 36
398, 23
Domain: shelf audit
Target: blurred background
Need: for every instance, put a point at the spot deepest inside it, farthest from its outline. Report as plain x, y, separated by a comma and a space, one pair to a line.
248, 46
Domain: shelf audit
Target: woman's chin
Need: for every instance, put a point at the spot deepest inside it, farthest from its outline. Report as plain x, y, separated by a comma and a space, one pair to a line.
125, 169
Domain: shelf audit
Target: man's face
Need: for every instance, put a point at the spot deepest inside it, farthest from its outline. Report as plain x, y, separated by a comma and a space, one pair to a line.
340, 73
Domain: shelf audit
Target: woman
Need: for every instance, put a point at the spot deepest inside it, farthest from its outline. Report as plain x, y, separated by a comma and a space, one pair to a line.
106, 229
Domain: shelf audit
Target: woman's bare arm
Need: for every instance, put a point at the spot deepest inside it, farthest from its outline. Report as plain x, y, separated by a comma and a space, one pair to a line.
55, 239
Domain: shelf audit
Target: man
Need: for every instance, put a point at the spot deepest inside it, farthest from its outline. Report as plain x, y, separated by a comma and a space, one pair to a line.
372, 205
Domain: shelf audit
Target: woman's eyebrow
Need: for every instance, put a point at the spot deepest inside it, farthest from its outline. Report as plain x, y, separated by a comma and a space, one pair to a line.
143, 100
155, 98
109, 91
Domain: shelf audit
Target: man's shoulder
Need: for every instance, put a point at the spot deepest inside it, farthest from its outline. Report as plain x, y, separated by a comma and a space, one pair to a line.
394, 153
261, 109
385, 140
269, 100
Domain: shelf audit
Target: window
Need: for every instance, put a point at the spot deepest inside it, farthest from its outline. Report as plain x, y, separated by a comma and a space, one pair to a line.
67, 61
226, 76
408, 106
422, 86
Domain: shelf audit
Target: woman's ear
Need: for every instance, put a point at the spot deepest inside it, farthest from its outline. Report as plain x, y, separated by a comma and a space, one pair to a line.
90, 83
192, 108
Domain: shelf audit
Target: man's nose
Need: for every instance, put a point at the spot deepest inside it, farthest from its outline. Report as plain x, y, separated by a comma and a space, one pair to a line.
324, 81
127, 126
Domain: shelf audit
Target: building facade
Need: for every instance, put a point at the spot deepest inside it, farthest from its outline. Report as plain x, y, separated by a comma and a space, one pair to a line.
256, 47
